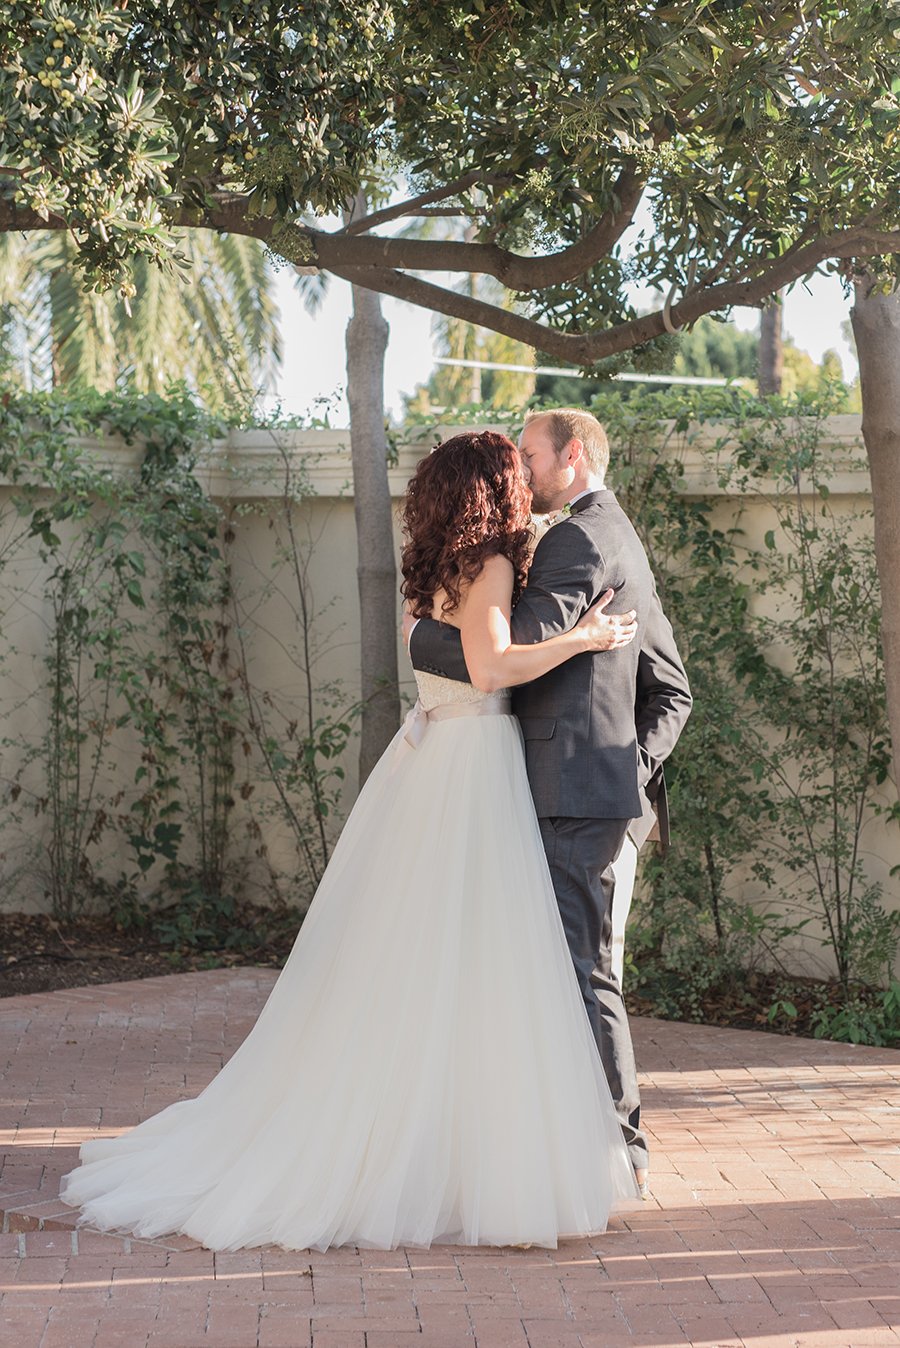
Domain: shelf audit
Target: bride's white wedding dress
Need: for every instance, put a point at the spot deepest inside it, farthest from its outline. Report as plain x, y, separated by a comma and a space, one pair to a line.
423, 1070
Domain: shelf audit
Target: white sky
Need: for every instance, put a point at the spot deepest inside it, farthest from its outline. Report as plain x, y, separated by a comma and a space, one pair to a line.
313, 365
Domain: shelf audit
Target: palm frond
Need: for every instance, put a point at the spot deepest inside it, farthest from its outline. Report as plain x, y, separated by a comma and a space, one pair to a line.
312, 287
217, 329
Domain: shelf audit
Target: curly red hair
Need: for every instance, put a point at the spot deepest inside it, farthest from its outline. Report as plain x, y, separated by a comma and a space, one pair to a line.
466, 501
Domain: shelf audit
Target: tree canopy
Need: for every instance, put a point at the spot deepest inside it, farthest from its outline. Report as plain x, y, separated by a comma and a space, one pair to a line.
712, 149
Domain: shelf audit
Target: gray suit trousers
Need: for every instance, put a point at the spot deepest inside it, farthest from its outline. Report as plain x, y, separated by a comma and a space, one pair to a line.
580, 853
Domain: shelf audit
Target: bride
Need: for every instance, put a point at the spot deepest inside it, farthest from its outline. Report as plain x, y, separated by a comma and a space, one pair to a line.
423, 1070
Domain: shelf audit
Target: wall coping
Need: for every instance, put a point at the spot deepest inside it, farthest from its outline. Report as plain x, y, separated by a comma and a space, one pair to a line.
252, 464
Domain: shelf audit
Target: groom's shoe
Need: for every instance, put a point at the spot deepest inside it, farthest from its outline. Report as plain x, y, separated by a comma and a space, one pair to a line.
643, 1183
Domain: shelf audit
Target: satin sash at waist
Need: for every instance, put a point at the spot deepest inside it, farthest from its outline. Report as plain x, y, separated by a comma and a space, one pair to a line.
417, 720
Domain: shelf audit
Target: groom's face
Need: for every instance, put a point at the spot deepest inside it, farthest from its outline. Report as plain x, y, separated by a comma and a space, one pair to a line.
548, 473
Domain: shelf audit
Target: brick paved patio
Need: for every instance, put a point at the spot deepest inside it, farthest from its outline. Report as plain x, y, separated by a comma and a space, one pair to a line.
776, 1219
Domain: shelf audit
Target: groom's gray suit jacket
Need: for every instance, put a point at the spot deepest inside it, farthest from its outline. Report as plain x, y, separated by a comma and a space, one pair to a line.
598, 728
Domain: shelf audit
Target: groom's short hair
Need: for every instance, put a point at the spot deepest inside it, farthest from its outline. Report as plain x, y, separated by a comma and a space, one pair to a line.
569, 423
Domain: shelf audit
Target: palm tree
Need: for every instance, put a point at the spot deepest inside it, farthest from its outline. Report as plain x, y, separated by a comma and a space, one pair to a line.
467, 383
459, 385
213, 326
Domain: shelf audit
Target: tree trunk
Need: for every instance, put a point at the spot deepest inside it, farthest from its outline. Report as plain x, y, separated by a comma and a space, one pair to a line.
367, 335
771, 346
476, 387
876, 327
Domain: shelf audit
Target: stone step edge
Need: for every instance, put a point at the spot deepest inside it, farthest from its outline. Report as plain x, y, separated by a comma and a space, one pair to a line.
34, 1214
25, 1217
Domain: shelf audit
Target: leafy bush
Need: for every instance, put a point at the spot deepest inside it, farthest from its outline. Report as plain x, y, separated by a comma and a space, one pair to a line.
775, 775
146, 654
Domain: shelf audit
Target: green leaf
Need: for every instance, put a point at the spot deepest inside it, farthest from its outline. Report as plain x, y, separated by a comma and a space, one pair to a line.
135, 594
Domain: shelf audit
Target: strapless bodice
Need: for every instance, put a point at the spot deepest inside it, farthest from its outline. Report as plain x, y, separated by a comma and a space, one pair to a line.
436, 691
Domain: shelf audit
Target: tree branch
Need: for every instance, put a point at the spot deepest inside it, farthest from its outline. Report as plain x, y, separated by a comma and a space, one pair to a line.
411, 207
334, 252
587, 348
753, 266
580, 348
338, 250
13, 218
427, 211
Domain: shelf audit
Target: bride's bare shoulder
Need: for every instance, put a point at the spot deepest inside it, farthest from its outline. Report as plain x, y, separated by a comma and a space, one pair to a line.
495, 568
492, 585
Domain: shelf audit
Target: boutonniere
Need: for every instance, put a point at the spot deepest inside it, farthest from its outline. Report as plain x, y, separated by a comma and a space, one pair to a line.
541, 524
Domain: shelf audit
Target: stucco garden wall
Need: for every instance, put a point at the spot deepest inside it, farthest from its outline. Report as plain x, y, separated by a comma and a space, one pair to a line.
245, 474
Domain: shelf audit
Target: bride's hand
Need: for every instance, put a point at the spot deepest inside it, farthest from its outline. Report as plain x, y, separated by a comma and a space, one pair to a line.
607, 631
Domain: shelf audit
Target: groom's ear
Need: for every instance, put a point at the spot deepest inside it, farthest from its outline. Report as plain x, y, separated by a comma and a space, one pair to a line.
574, 452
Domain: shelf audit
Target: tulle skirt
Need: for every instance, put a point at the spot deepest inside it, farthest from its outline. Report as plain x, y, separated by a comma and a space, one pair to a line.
423, 1070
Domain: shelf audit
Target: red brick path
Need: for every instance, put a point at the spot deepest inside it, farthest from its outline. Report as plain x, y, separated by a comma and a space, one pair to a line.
776, 1219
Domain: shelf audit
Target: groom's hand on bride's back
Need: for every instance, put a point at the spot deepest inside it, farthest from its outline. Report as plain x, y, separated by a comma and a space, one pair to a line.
608, 631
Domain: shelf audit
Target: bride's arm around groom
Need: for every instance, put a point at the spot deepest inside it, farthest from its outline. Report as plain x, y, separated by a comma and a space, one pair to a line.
598, 730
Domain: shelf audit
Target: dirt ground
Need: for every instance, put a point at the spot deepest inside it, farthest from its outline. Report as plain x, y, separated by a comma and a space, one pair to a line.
39, 954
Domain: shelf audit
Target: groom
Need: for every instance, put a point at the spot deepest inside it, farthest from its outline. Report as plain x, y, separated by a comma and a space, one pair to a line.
598, 728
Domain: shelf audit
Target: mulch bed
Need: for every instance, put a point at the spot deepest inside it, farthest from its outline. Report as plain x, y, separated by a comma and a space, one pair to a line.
40, 954
745, 1005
